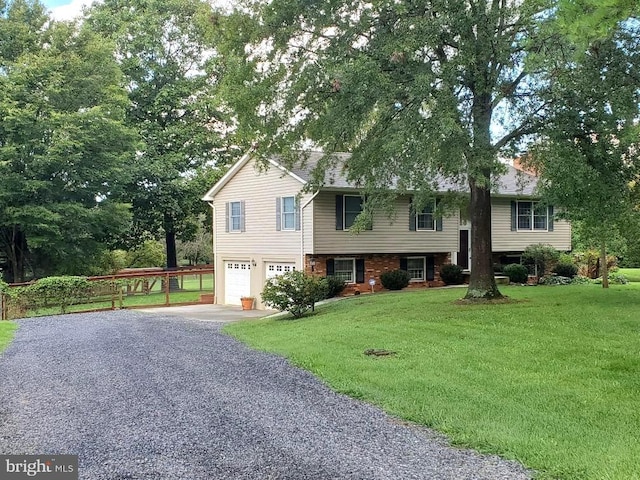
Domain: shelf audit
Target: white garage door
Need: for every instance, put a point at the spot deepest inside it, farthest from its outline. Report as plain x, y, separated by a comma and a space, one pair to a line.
275, 269
237, 281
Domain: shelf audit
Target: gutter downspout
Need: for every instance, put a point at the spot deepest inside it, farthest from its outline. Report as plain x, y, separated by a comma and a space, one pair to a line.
214, 237
302, 227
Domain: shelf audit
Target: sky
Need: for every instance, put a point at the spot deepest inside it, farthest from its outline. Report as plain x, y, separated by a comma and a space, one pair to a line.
65, 9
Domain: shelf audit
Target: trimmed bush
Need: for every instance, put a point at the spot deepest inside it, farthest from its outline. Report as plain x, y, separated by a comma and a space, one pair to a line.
395, 279
58, 291
565, 269
517, 273
451, 274
543, 257
294, 292
334, 286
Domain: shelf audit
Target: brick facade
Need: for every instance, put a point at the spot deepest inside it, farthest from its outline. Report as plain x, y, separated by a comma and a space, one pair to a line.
374, 265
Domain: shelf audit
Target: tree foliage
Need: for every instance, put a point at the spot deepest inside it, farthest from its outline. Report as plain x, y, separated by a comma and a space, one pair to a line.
417, 91
63, 144
588, 156
166, 52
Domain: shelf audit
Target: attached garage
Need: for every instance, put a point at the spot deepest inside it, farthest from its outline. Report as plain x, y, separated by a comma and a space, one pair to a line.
275, 269
237, 281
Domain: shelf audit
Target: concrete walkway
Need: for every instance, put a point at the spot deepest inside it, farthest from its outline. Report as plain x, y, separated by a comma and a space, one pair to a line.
208, 312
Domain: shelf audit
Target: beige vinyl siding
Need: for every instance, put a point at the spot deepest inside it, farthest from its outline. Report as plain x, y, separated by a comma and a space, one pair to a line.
506, 240
388, 235
259, 191
308, 227
260, 243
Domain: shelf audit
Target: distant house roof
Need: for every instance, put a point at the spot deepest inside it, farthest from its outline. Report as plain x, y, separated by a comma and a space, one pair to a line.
514, 182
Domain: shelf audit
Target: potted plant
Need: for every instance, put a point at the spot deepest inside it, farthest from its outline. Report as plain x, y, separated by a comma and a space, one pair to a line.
247, 303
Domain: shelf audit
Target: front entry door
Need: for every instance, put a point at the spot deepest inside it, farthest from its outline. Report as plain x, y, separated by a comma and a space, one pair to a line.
463, 254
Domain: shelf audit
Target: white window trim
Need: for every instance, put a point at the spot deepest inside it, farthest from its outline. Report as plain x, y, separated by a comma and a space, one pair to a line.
344, 210
353, 267
424, 268
282, 214
433, 221
231, 217
532, 229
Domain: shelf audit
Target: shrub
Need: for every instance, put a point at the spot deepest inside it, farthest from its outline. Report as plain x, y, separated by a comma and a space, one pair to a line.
294, 292
614, 277
451, 274
565, 269
395, 279
334, 286
554, 280
517, 273
59, 291
580, 280
543, 257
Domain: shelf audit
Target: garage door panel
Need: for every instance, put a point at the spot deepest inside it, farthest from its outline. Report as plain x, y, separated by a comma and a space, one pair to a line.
274, 269
237, 281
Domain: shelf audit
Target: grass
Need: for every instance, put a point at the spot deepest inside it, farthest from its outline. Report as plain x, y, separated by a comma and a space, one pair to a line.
552, 380
632, 274
7, 331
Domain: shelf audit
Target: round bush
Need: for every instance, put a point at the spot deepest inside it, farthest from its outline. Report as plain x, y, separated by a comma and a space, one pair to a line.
334, 286
395, 279
517, 273
451, 274
566, 270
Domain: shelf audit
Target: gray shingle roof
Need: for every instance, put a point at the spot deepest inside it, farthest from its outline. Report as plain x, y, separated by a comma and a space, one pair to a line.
512, 183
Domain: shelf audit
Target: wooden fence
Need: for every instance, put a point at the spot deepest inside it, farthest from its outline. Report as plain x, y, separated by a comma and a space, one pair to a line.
139, 288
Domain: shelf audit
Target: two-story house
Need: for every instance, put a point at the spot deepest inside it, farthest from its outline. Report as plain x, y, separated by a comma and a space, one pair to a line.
263, 226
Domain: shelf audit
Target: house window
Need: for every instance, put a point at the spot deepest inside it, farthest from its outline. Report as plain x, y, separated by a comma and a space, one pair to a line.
348, 207
532, 216
345, 269
234, 216
352, 208
425, 220
416, 268
288, 213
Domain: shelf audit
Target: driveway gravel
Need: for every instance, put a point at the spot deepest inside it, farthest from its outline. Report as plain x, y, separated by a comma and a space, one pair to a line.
140, 396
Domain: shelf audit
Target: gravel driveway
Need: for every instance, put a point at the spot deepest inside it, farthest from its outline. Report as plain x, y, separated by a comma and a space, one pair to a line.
141, 396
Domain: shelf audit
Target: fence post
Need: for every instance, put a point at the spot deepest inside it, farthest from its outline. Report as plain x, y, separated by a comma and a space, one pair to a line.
166, 289
3, 313
113, 293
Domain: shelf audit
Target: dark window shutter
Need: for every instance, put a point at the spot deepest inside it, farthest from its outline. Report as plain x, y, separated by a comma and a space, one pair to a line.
242, 215
412, 217
370, 219
278, 214
550, 218
431, 268
403, 264
514, 217
339, 209
330, 267
360, 270
438, 218
298, 214
226, 217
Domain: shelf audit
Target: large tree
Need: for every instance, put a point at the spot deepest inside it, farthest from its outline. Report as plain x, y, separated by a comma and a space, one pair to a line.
165, 50
63, 144
589, 154
418, 91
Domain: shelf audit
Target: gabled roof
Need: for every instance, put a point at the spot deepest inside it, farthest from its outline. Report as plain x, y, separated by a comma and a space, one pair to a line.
514, 182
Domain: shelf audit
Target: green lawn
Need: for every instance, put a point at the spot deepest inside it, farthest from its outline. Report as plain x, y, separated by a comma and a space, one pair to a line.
552, 381
7, 330
632, 274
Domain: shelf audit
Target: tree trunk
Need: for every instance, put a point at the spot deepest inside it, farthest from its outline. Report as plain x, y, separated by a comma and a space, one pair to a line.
16, 252
172, 256
482, 283
604, 269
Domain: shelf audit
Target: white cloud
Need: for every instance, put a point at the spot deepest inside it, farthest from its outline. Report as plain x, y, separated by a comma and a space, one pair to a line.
71, 10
